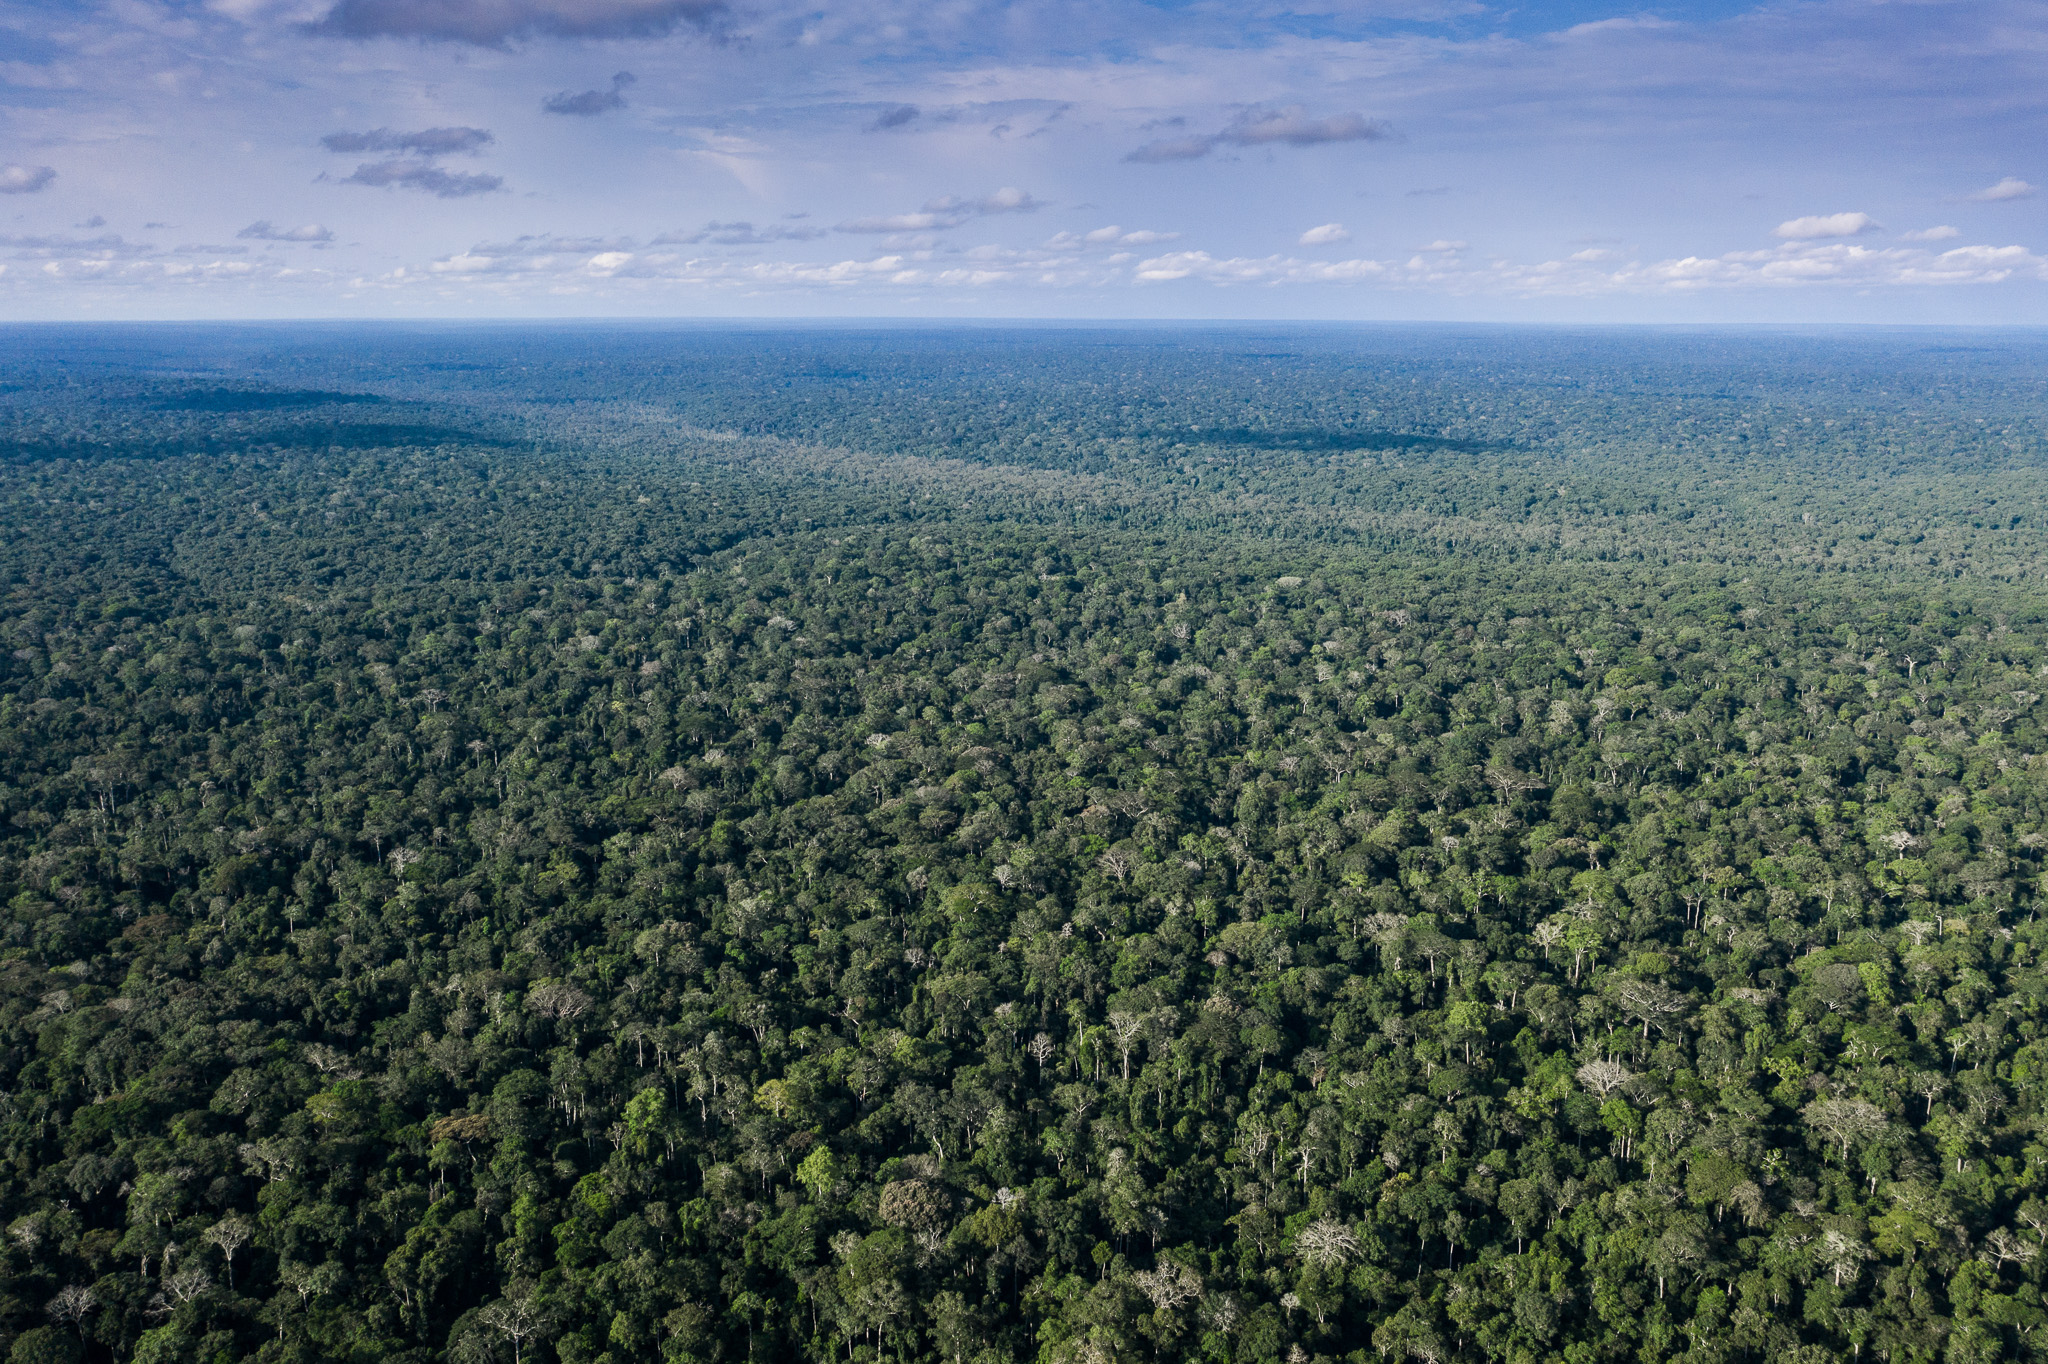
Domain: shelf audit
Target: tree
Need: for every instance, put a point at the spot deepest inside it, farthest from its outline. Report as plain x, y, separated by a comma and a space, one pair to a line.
1677, 1250
1647, 1001
1127, 1028
914, 1204
1603, 1077
2001, 1246
230, 1234
819, 1172
72, 1305
1844, 1121
1170, 1286
1842, 1253
518, 1320
1326, 1244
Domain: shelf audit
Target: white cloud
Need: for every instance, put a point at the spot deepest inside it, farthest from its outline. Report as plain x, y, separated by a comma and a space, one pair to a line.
1943, 233
948, 212
1325, 235
2008, 188
1791, 265
587, 265
1801, 264
422, 175
1826, 225
1293, 127
1008, 199
1097, 261
112, 262
1107, 236
1441, 245
1265, 127
1174, 149
1201, 265
1621, 24
263, 231
424, 142
492, 23
25, 179
106, 247
900, 222
739, 233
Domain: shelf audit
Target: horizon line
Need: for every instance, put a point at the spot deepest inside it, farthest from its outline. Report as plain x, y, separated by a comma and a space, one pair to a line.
1000, 320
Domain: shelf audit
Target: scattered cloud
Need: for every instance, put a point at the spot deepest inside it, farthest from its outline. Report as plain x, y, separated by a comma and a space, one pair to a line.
1826, 225
1001, 117
1174, 149
1793, 264
1179, 265
739, 234
2008, 188
94, 221
900, 222
776, 114
425, 142
1621, 23
1441, 245
1009, 199
562, 264
590, 102
1840, 263
25, 179
419, 170
424, 176
261, 230
1290, 126
496, 23
940, 215
582, 263
1264, 127
896, 116
550, 246
39, 243
1325, 235
1108, 236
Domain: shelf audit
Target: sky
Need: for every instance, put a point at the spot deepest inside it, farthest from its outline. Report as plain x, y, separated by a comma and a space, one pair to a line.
1554, 161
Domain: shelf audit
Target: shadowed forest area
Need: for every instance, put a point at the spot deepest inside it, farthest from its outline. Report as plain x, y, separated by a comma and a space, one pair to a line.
983, 846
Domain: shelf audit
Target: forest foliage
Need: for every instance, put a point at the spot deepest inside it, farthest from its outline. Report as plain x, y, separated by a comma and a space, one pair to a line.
986, 846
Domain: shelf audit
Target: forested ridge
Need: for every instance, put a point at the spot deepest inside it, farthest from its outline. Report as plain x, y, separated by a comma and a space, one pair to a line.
600, 854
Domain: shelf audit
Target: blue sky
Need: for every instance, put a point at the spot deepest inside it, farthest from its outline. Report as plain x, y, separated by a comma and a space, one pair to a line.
1575, 160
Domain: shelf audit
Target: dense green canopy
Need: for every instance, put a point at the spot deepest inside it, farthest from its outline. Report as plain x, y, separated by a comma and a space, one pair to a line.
1008, 846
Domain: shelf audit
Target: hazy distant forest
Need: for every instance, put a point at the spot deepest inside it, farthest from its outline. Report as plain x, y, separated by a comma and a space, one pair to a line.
1031, 846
